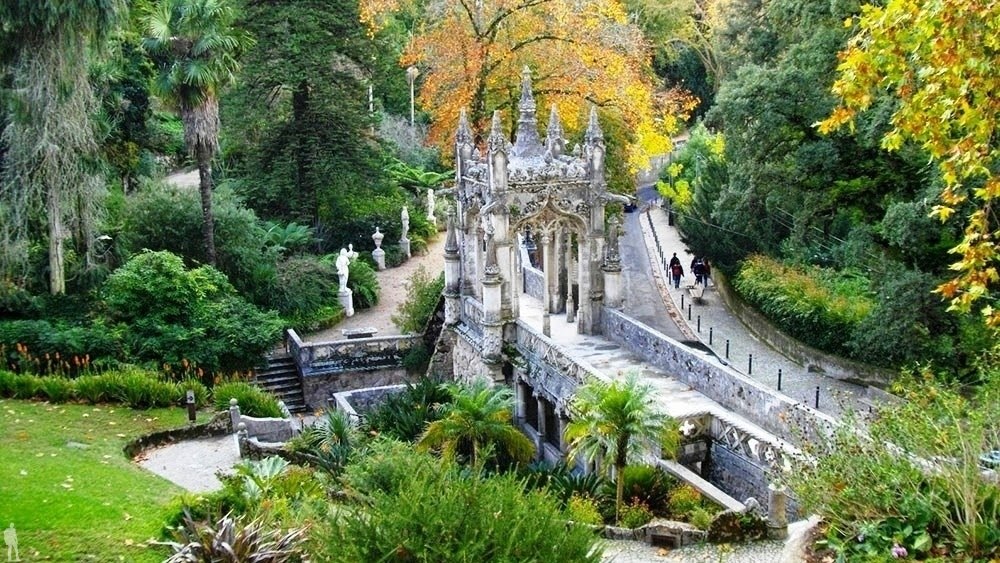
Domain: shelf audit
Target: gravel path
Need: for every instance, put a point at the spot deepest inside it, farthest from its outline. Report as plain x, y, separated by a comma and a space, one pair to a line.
193, 464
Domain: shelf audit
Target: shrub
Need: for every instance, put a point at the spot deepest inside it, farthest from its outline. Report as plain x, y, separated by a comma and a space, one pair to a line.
56, 389
231, 540
584, 510
141, 389
815, 305
404, 415
178, 316
700, 518
363, 282
7, 382
26, 387
425, 293
453, 516
564, 484
201, 393
330, 442
61, 347
683, 500
416, 359
635, 515
253, 400
304, 293
647, 484
96, 388
387, 466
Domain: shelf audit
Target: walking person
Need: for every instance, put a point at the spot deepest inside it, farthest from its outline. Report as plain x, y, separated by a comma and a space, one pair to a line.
677, 271
698, 269
674, 260
10, 538
707, 270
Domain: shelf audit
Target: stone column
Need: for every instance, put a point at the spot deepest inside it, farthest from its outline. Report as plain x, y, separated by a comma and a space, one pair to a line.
777, 515
552, 274
571, 276
452, 274
541, 424
492, 319
584, 313
547, 270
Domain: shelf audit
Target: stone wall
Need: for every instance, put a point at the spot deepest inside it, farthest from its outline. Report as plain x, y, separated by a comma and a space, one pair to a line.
360, 402
813, 359
769, 409
467, 357
534, 281
741, 479
318, 389
356, 355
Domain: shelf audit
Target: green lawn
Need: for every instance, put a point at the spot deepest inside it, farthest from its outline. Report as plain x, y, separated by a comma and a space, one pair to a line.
68, 488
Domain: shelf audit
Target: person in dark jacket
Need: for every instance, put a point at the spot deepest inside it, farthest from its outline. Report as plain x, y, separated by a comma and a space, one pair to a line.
677, 272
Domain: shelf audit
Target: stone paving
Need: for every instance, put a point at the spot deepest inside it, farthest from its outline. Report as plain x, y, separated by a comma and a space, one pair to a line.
716, 320
193, 464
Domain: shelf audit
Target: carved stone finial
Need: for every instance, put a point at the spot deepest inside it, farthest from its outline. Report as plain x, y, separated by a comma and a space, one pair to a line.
496, 141
554, 141
527, 102
594, 132
464, 133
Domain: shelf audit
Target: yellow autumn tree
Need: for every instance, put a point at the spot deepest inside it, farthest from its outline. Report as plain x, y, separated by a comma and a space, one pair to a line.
941, 58
470, 55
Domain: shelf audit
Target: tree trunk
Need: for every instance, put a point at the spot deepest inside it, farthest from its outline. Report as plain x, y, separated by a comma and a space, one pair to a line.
205, 187
57, 273
619, 492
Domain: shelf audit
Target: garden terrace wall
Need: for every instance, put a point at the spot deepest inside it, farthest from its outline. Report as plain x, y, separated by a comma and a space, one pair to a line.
331, 367
765, 407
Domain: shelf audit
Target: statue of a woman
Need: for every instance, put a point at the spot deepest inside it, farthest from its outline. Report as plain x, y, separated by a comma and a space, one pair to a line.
343, 268
405, 216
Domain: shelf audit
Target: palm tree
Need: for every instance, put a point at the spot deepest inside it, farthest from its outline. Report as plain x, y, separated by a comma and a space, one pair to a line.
478, 416
616, 419
195, 48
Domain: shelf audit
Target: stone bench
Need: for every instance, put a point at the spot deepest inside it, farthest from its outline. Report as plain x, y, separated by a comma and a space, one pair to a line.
364, 332
697, 293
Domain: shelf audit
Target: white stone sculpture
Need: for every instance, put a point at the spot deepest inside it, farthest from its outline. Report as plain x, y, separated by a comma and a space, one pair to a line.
343, 268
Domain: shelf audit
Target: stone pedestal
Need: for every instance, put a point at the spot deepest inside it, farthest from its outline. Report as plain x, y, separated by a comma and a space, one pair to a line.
346, 298
379, 255
404, 246
777, 517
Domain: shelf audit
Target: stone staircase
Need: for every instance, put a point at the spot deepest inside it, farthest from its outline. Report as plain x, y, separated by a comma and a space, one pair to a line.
280, 377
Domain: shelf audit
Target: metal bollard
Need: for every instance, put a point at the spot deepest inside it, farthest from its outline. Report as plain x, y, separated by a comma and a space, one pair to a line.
779, 379
727, 348
710, 335
682, 301
750, 364
689, 311
699, 323
817, 398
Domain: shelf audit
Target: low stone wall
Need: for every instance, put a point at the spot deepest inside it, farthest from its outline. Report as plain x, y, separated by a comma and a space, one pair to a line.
776, 413
359, 402
219, 425
318, 389
355, 355
814, 360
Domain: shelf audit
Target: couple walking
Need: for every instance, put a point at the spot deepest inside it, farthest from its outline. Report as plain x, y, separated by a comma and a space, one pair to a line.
699, 267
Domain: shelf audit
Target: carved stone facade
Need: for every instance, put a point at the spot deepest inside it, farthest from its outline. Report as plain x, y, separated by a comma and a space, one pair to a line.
533, 189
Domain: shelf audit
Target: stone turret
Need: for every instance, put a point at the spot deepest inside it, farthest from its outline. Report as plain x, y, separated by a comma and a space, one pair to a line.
492, 318
527, 143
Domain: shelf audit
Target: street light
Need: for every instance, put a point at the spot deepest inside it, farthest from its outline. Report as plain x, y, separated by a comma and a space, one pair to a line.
411, 77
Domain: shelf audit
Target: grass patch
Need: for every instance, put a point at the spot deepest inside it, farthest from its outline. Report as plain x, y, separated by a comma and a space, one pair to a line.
68, 488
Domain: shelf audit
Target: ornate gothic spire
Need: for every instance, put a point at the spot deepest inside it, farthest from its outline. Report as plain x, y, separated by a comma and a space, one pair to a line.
594, 132
496, 142
527, 143
464, 133
554, 141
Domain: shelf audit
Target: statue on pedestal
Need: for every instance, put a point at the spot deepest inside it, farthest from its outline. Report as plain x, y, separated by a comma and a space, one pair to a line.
430, 206
405, 217
343, 268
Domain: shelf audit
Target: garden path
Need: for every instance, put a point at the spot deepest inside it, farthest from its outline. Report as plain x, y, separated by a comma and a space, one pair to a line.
193, 464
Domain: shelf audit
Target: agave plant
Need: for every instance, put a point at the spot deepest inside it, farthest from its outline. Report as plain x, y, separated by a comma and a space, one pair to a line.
231, 541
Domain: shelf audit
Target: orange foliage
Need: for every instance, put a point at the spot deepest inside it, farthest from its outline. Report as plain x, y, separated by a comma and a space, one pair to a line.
470, 55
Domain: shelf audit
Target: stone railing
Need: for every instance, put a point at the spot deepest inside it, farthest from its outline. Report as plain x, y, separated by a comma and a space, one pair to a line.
552, 369
769, 409
533, 282
362, 354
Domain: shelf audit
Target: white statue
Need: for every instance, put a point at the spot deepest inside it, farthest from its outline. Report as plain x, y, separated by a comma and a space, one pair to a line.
405, 216
343, 268
430, 204
351, 253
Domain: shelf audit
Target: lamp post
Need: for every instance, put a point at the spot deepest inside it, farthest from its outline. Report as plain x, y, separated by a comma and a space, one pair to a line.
411, 77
